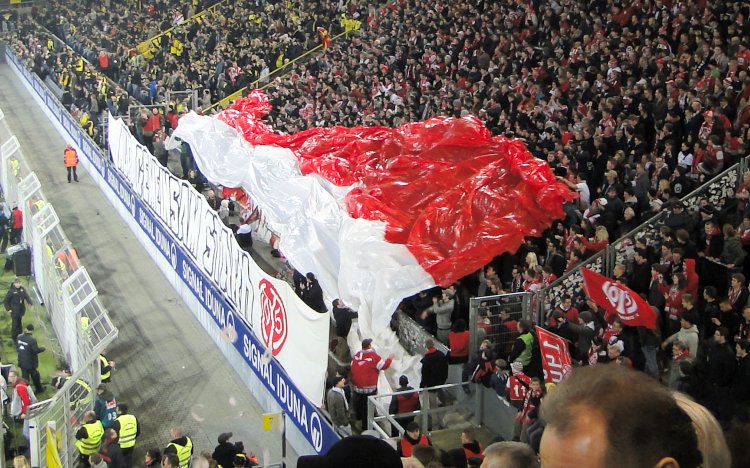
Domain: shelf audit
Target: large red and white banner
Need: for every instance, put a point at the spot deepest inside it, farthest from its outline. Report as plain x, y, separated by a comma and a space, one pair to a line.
556, 360
616, 298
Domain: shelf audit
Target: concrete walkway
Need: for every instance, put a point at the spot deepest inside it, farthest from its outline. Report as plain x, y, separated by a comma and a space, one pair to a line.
168, 370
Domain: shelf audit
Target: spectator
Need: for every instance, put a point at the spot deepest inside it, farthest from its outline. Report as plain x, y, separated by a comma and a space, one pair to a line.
458, 341
634, 405
522, 348
472, 447
343, 316
434, 371
405, 402
443, 309
312, 294
411, 438
741, 384
366, 367
687, 334
720, 371
529, 411
677, 378
509, 455
338, 407
224, 452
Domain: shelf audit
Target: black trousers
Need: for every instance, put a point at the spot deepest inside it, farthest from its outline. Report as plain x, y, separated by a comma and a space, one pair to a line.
73, 171
32, 375
15, 235
360, 406
15, 327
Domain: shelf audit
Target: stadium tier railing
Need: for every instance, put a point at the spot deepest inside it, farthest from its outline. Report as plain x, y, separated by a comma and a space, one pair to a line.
81, 323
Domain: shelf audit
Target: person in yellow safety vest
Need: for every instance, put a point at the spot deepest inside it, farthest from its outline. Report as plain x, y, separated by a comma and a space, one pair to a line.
79, 65
80, 393
105, 367
71, 161
180, 445
89, 437
127, 427
50, 44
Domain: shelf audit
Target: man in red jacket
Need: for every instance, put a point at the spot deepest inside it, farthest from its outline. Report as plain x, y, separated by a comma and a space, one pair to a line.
366, 367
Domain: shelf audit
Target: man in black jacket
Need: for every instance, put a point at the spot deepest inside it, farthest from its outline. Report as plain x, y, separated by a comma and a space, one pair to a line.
741, 383
434, 371
111, 451
28, 357
224, 452
312, 294
720, 372
15, 303
343, 316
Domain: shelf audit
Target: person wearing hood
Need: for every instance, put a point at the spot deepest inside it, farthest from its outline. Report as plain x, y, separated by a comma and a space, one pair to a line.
688, 334
105, 406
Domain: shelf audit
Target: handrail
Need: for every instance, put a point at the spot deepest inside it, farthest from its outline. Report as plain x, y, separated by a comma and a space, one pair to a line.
184, 22
224, 102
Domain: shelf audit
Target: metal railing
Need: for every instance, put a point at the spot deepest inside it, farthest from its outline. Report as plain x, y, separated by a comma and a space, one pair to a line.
451, 406
81, 324
719, 191
486, 322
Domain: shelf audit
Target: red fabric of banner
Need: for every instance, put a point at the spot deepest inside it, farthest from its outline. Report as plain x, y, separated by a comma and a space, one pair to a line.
446, 188
618, 299
556, 360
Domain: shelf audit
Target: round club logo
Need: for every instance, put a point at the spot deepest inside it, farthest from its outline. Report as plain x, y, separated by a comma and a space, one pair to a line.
316, 432
273, 329
620, 300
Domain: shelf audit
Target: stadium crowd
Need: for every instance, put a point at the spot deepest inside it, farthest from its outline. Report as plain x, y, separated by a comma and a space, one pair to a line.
633, 104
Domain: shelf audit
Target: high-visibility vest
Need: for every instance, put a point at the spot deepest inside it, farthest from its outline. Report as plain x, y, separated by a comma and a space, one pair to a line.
91, 444
50, 44
79, 65
128, 430
104, 363
183, 452
81, 387
71, 158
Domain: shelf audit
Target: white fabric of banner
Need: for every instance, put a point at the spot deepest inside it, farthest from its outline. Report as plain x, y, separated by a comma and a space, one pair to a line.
297, 335
350, 257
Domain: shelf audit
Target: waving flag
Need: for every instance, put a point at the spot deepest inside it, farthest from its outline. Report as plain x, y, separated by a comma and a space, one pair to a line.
616, 298
555, 351
380, 213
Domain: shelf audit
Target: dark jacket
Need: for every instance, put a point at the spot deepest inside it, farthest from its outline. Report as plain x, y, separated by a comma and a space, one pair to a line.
343, 317
16, 299
405, 402
721, 365
584, 336
312, 295
28, 351
741, 382
434, 368
224, 454
112, 454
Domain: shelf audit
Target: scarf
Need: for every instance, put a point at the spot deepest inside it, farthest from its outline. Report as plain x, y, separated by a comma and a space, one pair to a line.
340, 391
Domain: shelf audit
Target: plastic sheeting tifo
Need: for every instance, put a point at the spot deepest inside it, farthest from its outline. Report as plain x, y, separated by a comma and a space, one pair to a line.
381, 213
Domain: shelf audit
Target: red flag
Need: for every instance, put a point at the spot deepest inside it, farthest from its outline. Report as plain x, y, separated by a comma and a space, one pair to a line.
556, 360
618, 299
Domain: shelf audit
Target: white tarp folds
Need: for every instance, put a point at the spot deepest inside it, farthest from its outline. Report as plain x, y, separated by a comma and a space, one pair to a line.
350, 257
208, 259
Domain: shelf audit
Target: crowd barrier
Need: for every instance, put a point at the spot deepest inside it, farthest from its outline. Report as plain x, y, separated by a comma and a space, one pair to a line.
268, 382
78, 318
719, 191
